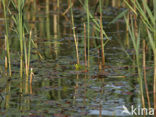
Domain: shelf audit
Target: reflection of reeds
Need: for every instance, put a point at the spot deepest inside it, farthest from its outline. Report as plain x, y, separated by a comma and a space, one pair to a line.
7, 97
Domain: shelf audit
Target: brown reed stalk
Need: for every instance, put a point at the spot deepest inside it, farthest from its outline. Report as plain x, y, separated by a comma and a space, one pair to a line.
144, 69
30, 80
85, 45
144, 66
6, 60
26, 56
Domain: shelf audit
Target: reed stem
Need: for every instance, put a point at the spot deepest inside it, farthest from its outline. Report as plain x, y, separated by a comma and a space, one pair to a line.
29, 50
6, 60
144, 69
88, 30
136, 45
20, 32
101, 34
74, 34
85, 46
6, 37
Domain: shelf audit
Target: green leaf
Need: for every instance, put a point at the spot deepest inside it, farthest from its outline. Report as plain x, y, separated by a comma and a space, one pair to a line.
119, 16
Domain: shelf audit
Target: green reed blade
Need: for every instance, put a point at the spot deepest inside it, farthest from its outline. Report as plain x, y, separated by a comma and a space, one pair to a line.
7, 34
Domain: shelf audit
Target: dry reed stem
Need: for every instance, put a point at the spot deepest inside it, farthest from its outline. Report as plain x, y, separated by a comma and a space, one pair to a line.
30, 81
144, 69
85, 51
31, 75
74, 34
6, 60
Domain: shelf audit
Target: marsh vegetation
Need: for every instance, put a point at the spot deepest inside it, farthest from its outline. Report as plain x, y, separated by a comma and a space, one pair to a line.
71, 58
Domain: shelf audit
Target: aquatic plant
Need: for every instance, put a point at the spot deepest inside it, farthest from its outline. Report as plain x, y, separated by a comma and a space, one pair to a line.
20, 8
101, 33
21, 29
85, 45
88, 29
7, 59
136, 45
92, 26
74, 33
144, 73
148, 17
98, 25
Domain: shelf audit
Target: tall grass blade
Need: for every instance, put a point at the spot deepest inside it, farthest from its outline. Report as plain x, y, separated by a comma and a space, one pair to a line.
7, 34
122, 14
136, 45
96, 22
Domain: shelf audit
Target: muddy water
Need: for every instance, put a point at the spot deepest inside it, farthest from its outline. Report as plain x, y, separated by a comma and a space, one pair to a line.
58, 89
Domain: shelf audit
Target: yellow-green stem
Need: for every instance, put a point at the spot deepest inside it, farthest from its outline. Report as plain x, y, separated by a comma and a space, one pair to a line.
74, 34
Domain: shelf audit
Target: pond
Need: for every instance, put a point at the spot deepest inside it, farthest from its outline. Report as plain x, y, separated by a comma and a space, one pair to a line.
58, 89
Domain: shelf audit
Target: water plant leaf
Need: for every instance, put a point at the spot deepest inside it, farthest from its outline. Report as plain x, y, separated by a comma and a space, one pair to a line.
151, 39
94, 20
130, 6
119, 16
141, 12
148, 11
